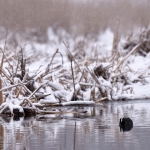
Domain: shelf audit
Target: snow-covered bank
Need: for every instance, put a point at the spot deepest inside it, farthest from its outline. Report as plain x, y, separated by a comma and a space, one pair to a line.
71, 71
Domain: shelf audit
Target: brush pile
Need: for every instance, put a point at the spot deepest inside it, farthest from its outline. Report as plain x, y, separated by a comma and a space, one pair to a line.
82, 80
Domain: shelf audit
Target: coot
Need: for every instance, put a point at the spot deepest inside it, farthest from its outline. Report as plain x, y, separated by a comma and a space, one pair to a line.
126, 124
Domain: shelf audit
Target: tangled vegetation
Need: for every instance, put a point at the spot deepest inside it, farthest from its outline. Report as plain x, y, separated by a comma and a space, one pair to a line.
80, 81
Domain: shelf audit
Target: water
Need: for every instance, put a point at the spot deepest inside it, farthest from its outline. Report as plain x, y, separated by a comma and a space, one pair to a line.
97, 129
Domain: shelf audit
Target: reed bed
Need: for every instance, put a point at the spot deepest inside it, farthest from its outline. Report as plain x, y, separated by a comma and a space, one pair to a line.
81, 79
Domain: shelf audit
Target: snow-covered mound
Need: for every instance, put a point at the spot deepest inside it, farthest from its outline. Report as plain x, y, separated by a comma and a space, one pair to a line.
69, 71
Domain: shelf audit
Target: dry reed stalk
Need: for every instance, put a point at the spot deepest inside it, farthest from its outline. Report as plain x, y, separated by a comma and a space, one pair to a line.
19, 91
72, 57
81, 75
1, 93
74, 94
115, 43
1, 66
2, 71
23, 65
96, 80
102, 99
47, 69
112, 59
13, 82
44, 95
6, 88
28, 101
92, 94
3, 109
6, 57
16, 68
10, 74
36, 90
127, 56
119, 75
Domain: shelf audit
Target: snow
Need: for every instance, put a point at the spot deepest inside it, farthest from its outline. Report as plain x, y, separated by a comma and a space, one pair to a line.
97, 73
78, 103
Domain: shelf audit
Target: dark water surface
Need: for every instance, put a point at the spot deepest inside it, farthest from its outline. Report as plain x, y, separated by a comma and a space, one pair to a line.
94, 130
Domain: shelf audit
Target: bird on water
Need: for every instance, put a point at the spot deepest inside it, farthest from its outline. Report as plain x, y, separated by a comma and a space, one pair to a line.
126, 124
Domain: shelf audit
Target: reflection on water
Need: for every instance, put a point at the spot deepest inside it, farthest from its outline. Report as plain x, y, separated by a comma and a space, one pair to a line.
96, 129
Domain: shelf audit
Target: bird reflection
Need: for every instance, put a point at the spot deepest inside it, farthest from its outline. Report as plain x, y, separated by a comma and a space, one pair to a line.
126, 124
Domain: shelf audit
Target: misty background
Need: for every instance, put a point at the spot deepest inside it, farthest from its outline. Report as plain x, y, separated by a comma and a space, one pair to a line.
75, 16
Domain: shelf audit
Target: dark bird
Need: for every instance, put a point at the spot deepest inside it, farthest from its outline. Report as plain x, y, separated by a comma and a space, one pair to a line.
126, 124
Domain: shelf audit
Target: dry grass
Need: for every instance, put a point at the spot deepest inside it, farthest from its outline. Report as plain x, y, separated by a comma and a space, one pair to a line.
78, 18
